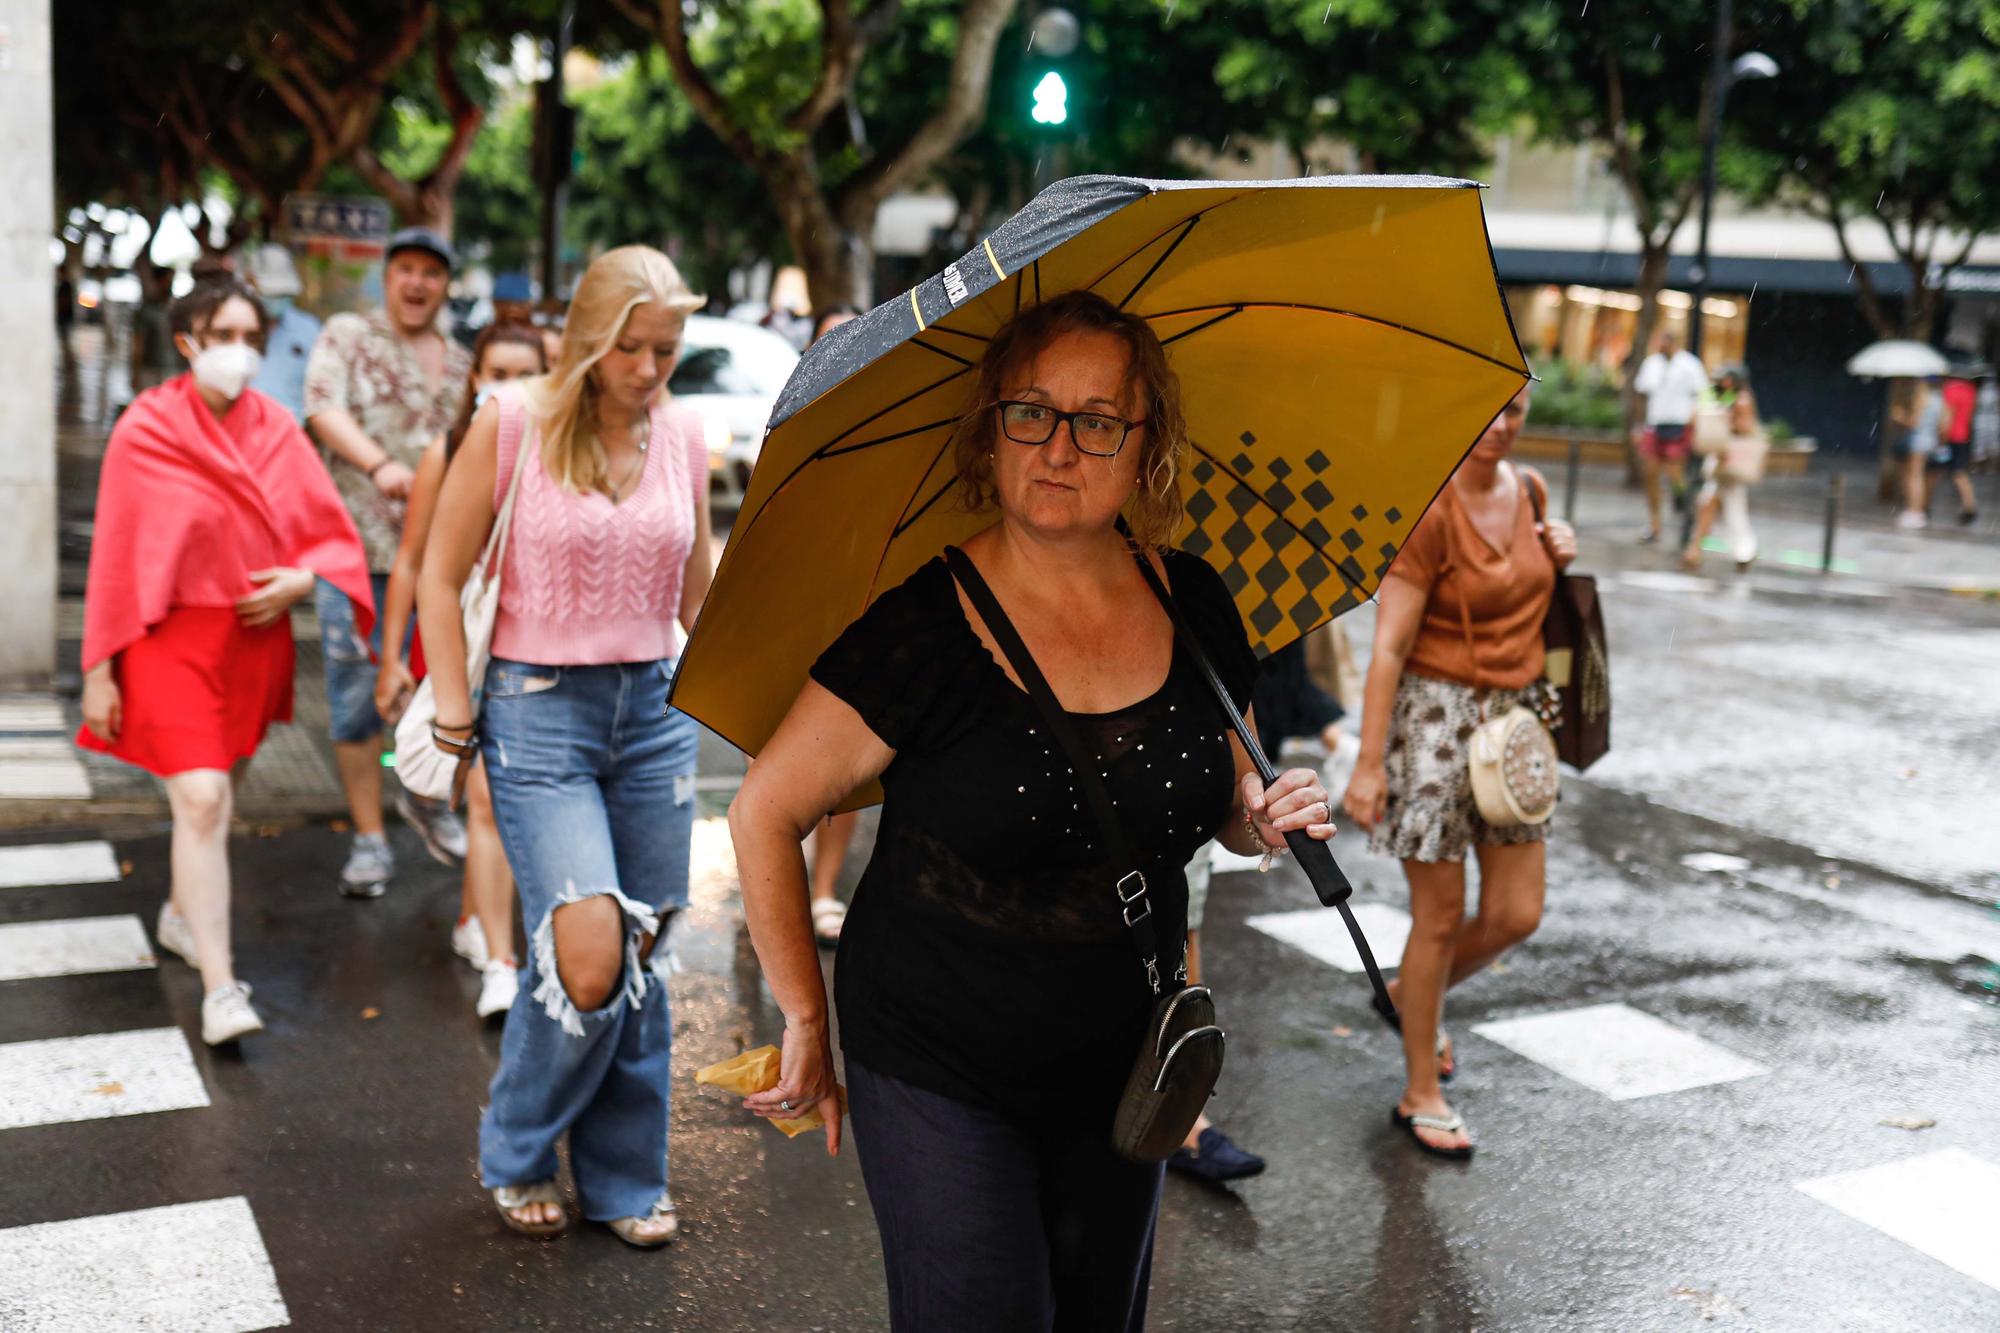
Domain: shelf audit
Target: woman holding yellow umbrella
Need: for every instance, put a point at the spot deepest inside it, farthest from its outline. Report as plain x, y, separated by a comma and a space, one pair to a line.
1049, 700
989, 1002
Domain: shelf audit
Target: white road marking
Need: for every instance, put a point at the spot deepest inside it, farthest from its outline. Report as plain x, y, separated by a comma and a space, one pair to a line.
41, 770
57, 863
1319, 931
66, 948
1715, 862
1940, 1204
108, 1074
185, 1268
31, 714
1618, 1051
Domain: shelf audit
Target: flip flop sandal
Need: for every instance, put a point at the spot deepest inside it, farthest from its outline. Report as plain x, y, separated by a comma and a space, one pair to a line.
1443, 1124
1395, 1022
654, 1235
509, 1197
828, 915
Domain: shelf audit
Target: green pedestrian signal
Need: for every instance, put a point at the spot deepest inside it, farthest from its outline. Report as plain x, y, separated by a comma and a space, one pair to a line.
1051, 100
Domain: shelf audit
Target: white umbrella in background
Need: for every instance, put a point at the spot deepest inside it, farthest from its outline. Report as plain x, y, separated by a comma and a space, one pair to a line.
1898, 358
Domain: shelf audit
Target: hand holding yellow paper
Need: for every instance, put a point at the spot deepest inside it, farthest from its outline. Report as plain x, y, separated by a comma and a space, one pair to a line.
757, 1071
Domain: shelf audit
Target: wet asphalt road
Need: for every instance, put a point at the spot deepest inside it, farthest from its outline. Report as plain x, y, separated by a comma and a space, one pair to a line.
1862, 983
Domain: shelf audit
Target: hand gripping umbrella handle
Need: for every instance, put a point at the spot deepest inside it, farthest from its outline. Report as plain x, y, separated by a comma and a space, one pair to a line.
1314, 857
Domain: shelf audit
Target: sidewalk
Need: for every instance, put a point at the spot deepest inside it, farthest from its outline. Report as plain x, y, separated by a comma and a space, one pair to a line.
1789, 516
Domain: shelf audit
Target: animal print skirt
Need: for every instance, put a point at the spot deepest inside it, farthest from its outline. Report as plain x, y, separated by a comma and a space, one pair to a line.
1429, 814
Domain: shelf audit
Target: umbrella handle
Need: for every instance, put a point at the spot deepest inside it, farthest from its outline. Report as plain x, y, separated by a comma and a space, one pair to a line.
1314, 856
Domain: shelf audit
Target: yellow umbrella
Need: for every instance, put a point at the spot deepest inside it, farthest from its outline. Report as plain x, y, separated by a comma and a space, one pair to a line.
1341, 342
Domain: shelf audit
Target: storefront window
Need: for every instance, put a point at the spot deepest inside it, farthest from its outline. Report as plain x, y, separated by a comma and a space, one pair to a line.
1593, 326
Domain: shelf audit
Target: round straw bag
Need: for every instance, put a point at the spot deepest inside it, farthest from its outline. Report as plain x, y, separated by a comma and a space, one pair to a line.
1513, 766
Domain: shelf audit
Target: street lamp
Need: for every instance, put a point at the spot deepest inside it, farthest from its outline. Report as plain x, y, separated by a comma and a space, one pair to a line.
1749, 65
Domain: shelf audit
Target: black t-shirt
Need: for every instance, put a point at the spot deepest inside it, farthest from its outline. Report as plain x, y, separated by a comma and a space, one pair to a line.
984, 956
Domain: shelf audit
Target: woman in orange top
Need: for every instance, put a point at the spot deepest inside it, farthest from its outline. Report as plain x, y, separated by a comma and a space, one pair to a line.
1458, 630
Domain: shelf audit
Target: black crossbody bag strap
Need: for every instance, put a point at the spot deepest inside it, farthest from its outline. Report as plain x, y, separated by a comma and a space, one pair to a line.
1312, 855
1134, 905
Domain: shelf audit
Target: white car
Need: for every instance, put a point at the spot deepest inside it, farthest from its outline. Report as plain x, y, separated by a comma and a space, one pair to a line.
731, 373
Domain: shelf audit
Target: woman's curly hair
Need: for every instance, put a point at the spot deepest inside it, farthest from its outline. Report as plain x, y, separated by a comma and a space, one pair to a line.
1155, 510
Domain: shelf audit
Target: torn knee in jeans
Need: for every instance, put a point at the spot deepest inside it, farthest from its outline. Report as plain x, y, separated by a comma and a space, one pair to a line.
581, 972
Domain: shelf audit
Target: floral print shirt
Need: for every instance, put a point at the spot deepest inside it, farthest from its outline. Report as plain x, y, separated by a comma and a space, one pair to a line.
361, 365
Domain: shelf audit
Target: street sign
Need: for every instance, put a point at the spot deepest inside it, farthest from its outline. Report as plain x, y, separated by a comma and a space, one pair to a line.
334, 227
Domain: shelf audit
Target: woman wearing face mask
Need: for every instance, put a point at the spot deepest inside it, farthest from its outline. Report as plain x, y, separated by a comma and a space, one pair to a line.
484, 933
607, 561
214, 516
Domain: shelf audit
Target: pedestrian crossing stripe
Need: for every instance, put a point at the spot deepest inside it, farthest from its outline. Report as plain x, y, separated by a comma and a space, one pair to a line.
1618, 1051
71, 947
1320, 933
42, 864
187, 1267
1940, 1204
65, 1079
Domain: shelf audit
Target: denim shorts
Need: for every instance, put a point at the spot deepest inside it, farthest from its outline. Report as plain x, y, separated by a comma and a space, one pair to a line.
350, 661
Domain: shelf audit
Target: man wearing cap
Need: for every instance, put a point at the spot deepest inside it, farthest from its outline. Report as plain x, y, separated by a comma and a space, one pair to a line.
289, 339
379, 388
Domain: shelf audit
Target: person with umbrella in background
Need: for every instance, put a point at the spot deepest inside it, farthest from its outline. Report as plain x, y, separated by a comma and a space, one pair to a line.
984, 1126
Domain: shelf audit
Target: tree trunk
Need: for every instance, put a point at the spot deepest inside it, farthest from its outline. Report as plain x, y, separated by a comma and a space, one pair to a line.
1652, 281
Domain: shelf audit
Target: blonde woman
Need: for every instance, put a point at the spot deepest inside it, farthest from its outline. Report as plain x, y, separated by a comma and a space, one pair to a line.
592, 776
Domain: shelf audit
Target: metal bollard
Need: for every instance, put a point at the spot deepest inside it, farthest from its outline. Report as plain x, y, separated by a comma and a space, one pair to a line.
1569, 483
1836, 492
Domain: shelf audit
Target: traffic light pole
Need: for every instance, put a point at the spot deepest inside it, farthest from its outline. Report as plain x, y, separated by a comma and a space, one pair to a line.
555, 179
1720, 76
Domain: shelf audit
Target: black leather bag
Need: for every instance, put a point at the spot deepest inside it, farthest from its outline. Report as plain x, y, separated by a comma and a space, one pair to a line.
1180, 1059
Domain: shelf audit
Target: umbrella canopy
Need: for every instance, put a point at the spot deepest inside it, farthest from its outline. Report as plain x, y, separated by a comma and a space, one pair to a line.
1898, 358
1340, 341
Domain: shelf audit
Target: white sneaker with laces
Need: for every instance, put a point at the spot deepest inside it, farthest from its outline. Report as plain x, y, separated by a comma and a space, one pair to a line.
442, 831
174, 935
226, 1014
500, 982
468, 941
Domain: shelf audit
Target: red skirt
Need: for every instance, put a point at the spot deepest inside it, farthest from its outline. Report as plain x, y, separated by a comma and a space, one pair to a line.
199, 691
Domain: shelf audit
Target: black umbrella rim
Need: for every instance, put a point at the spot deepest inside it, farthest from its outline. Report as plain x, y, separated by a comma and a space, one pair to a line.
1079, 203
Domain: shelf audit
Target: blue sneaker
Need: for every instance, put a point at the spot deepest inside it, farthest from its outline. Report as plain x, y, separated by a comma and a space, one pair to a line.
1215, 1159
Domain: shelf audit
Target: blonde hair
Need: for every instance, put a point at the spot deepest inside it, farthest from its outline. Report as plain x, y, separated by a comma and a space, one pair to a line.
1155, 510
564, 402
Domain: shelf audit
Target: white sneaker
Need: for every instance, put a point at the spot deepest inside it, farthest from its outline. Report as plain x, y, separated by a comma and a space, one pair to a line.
468, 941
500, 983
1911, 520
174, 935
226, 1014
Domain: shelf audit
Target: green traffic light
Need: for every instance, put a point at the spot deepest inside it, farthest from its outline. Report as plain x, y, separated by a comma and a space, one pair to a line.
1051, 100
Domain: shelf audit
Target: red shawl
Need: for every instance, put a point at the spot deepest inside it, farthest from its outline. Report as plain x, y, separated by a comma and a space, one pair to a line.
188, 506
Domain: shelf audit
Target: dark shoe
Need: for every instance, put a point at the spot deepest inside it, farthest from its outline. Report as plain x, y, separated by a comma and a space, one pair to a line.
1216, 1159
1451, 1124
1967, 517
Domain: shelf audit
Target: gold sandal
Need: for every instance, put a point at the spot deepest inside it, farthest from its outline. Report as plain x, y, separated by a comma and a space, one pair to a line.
507, 1198
655, 1229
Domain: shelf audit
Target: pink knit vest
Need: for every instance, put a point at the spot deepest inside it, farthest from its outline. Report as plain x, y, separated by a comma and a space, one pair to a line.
584, 581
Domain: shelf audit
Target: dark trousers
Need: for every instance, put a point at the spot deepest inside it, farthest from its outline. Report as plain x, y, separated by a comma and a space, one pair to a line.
990, 1227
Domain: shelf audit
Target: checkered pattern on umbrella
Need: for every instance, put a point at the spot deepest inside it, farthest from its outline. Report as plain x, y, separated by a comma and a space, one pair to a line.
1259, 522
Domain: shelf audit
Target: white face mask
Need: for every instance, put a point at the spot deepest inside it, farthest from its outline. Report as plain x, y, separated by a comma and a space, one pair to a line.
484, 396
227, 368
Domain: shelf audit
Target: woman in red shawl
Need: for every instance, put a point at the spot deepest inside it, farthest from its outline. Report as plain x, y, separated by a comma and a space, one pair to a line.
214, 515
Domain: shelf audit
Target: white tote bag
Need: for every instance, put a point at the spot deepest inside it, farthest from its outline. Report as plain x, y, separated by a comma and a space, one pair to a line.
420, 765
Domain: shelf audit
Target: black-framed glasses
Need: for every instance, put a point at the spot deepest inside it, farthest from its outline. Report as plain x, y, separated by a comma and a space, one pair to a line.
1098, 434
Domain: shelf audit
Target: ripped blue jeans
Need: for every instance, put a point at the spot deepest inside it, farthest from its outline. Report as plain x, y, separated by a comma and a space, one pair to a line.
593, 790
